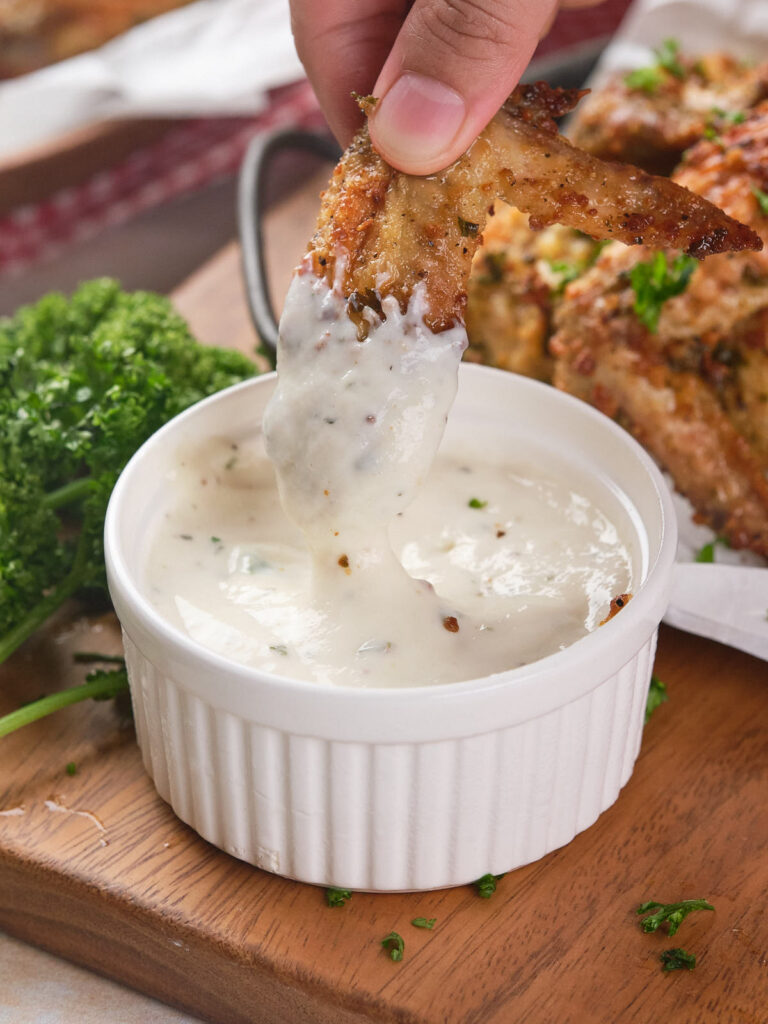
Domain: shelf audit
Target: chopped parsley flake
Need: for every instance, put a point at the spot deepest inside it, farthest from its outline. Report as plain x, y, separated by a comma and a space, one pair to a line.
279, 649
673, 914
215, 540
657, 694
656, 281
394, 944
667, 57
424, 922
71, 768
729, 116
337, 897
707, 552
667, 60
566, 272
713, 135
645, 79
476, 503
762, 199
677, 960
486, 886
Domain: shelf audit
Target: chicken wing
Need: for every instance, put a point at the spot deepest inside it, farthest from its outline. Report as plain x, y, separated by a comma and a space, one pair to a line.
381, 231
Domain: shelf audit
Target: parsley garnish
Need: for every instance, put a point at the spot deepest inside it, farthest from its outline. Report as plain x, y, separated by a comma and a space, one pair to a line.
71, 768
762, 199
667, 59
656, 281
707, 552
566, 273
215, 540
713, 135
89, 657
337, 897
486, 886
279, 649
645, 79
85, 381
424, 922
394, 944
729, 116
677, 959
657, 694
468, 228
476, 503
672, 913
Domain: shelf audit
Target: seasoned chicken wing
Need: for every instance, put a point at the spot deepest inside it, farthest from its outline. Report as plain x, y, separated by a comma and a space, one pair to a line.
649, 117
381, 231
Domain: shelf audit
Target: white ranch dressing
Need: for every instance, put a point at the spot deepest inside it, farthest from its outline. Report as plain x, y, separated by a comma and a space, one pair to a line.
490, 567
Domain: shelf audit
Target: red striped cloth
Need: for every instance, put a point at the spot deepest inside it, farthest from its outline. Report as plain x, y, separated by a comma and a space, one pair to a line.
198, 153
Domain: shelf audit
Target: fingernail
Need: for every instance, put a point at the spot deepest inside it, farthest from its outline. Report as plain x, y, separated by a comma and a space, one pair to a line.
414, 124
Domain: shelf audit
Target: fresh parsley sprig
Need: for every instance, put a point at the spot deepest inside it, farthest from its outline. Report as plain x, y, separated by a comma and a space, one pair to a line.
671, 914
83, 382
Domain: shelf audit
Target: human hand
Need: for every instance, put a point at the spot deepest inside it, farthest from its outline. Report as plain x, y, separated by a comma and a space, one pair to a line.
439, 68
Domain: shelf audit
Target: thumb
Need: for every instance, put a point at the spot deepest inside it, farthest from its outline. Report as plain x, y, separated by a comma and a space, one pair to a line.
453, 64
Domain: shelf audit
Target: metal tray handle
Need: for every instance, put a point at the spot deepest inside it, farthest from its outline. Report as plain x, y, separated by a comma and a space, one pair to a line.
251, 205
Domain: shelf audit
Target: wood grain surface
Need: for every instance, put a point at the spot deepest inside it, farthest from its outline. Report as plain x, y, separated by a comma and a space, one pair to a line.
97, 868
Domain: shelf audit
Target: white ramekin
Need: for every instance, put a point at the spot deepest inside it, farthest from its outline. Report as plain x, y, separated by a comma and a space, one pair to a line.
397, 789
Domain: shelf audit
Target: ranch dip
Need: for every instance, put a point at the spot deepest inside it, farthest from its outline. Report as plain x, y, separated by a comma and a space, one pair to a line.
335, 547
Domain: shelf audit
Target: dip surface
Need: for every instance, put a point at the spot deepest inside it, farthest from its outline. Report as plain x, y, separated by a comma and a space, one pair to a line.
520, 561
332, 560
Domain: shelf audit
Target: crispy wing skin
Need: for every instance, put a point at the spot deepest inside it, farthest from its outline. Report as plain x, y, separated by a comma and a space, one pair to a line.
652, 126
696, 392
380, 231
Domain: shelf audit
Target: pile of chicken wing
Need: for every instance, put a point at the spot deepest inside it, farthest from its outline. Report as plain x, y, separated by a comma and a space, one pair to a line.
689, 378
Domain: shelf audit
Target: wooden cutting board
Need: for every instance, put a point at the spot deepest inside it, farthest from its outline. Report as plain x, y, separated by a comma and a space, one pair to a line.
97, 868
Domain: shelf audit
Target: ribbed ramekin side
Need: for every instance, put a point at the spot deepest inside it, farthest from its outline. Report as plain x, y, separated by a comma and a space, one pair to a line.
389, 816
